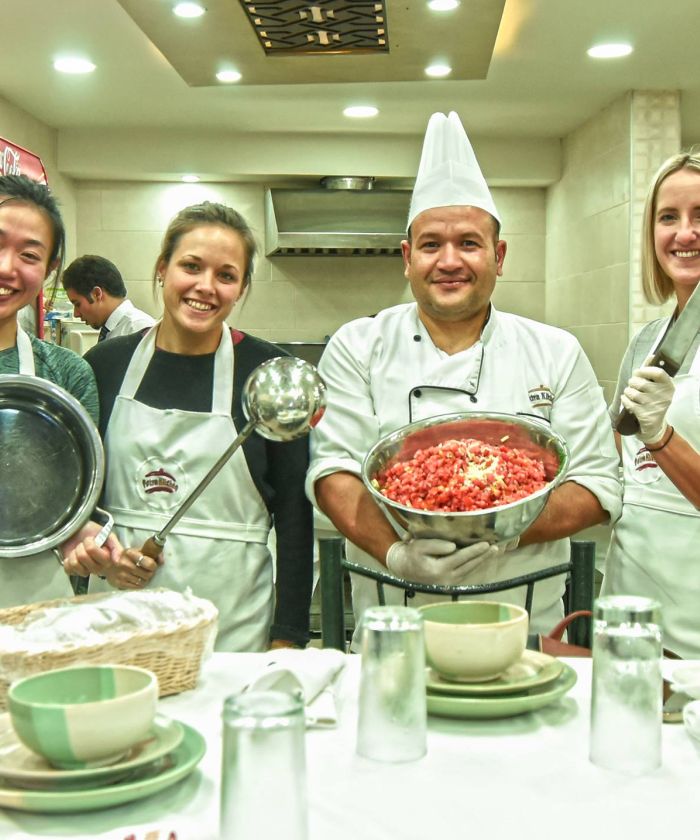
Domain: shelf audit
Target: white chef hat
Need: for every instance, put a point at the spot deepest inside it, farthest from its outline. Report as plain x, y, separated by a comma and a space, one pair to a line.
449, 172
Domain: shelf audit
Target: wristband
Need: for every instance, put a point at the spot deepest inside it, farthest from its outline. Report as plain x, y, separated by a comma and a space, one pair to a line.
663, 445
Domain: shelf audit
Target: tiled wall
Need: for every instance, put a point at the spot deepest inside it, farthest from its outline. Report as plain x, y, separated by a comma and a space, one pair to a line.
587, 249
293, 297
655, 136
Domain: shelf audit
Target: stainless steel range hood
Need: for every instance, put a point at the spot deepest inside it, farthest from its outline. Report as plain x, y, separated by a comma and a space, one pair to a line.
335, 222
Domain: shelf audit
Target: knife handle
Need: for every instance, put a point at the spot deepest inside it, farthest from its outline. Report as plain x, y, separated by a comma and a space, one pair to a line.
153, 547
626, 423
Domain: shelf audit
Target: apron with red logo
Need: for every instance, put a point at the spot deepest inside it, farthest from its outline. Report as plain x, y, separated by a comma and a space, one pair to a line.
219, 547
38, 577
655, 546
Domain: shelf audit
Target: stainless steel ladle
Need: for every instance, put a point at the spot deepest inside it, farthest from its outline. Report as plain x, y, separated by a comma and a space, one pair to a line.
282, 399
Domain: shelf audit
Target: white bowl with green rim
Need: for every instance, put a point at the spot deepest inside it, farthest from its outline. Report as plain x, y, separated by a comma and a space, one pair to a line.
84, 716
473, 641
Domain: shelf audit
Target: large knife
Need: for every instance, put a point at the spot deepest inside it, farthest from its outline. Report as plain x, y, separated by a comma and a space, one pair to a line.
669, 355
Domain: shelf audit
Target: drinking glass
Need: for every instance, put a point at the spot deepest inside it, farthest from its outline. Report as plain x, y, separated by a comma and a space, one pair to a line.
627, 685
263, 770
392, 717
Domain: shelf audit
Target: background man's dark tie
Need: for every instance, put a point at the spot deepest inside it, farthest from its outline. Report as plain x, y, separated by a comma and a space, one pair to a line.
104, 332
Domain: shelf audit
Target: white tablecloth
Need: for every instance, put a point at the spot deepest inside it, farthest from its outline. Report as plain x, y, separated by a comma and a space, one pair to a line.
525, 777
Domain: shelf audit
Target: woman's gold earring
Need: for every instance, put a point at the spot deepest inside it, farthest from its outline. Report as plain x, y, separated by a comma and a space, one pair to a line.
159, 279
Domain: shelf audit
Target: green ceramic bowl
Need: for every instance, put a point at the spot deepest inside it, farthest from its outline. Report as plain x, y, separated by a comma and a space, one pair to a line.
84, 716
473, 641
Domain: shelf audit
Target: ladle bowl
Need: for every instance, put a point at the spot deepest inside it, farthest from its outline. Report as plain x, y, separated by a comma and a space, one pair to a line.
285, 397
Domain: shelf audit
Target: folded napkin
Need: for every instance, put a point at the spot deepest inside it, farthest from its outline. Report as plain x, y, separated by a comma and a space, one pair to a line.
309, 673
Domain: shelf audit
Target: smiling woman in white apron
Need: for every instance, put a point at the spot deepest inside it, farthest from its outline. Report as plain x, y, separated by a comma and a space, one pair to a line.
171, 404
655, 546
31, 247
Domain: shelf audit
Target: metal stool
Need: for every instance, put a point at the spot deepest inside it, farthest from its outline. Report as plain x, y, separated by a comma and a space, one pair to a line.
578, 595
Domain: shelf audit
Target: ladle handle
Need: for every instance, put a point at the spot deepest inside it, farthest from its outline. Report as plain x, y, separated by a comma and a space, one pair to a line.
154, 545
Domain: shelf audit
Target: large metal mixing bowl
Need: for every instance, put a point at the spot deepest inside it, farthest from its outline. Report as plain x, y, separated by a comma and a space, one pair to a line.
496, 524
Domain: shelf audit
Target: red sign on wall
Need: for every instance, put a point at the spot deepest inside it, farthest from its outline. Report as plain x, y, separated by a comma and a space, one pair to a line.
14, 160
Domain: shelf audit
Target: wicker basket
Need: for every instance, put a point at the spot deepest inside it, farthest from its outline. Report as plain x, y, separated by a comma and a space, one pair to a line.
174, 655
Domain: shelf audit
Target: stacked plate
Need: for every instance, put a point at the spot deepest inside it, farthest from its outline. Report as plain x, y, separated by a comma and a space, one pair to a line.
533, 682
29, 783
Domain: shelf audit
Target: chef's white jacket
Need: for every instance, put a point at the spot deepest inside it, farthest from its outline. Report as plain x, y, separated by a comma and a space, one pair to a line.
385, 372
127, 319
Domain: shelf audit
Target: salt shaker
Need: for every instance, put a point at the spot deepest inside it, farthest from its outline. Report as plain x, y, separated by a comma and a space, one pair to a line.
626, 701
392, 715
263, 769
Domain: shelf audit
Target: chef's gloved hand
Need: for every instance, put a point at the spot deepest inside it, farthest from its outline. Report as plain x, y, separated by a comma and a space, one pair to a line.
648, 395
436, 561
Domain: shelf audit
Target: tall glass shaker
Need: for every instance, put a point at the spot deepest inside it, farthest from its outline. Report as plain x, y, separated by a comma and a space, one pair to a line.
263, 767
391, 724
627, 685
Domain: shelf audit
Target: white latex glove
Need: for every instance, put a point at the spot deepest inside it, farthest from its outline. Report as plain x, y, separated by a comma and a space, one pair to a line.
436, 561
648, 395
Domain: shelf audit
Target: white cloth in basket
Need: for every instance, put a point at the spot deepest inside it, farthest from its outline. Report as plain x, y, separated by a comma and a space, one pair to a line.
311, 672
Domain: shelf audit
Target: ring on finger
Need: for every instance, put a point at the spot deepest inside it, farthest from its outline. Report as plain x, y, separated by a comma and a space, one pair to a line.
139, 562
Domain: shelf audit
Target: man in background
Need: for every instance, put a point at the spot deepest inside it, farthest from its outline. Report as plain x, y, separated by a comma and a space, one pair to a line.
96, 289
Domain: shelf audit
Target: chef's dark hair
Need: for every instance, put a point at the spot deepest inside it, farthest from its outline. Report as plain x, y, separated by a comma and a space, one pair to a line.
657, 285
88, 271
207, 213
25, 190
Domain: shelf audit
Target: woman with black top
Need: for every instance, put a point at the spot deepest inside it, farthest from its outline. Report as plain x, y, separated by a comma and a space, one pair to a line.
170, 401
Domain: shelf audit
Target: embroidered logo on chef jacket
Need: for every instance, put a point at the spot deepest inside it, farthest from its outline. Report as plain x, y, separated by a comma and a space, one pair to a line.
646, 470
162, 484
541, 396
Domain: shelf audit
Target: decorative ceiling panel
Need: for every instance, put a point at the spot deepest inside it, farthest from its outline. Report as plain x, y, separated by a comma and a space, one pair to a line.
321, 41
291, 27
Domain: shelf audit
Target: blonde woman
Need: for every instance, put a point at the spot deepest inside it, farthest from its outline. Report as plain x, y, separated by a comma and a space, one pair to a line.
655, 546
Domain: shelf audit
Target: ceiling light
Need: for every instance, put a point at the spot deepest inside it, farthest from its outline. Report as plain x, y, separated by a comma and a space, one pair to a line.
228, 76
190, 179
609, 50
438, 71
73, 64
361, 111
188, 10
443, 5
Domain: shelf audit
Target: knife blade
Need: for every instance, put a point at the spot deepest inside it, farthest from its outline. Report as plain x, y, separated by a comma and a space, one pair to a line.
670, 353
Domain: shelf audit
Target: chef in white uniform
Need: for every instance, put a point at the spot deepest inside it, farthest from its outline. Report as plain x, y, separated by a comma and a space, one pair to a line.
655, 546
31, 247
450, 351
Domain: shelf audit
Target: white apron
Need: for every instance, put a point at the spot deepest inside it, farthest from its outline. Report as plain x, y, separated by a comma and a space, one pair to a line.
38, 577
655, 546
437, 383
155, 458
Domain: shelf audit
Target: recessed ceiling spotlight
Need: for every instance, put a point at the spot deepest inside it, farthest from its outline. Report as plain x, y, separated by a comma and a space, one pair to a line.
189, 10
190, 179
442, 5
609, 50
361, 111
438, 71
73, 64
228, 76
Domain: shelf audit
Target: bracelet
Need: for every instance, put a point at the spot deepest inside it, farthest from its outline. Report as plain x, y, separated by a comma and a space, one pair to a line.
664, 444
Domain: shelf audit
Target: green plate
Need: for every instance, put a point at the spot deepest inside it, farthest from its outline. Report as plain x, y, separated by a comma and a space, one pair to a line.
531, 670
22, 768
152, 779
500, 706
